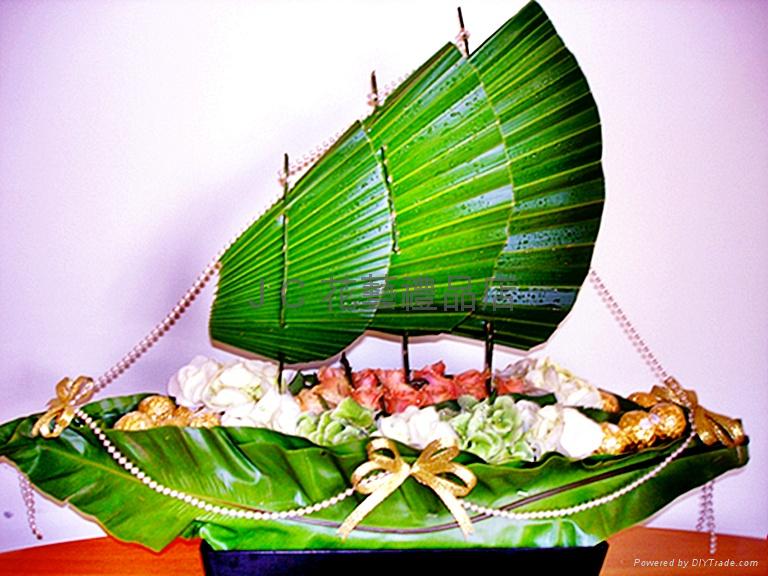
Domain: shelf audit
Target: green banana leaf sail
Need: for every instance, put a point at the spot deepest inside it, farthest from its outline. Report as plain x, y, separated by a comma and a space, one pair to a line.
472, 195
270, 471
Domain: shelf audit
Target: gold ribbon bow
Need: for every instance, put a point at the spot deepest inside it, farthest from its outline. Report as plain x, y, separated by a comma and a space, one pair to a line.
436, 459
710, 426
61, 410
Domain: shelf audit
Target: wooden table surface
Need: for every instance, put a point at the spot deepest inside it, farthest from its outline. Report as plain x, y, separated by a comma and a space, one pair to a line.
630, 552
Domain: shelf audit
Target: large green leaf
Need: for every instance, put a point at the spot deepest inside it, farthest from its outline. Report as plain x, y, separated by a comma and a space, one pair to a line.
282, 288
476, 190
451, 188
271, 471
551, 130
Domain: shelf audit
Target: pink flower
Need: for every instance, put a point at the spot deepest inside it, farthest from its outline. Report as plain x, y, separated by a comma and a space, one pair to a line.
333, 386
439, 388
508, 384
367, 390
472, 383
511, 380
331, 389
398, 394
309, 401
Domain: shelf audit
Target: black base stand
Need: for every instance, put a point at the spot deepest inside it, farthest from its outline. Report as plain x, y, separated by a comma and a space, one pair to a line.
572, 561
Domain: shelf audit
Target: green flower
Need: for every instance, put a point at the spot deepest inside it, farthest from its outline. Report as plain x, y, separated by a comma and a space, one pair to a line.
492, 430
348, 421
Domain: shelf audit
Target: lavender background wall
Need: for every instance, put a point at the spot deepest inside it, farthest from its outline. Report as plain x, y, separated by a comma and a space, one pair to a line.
137, 137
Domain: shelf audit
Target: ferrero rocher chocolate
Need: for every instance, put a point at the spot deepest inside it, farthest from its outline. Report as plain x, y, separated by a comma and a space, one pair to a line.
639, 427
609, 402
614, 440
205, 420
644, 399
671, 420
158, 408
182, 416
134, 421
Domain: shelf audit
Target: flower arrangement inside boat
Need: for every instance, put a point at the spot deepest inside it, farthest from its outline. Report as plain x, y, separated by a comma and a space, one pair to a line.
530, 409
529, 456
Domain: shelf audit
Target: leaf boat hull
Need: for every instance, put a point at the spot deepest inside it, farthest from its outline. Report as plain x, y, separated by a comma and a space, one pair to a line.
266, 470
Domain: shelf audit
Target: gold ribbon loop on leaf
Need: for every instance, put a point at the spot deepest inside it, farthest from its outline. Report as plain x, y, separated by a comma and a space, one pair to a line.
61, 410
710, 426
436, 459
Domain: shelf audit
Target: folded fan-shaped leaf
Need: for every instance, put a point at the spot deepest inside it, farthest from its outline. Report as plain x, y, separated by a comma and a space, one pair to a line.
551, 130
271, 471
276, 290
476, 189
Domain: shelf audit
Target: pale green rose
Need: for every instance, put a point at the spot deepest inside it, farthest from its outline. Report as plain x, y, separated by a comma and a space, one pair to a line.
348, 421
492, 430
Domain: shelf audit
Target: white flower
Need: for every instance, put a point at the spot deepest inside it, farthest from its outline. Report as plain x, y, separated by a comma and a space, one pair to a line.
189, 383
544, 434
567, 388
395, 427
580, 436
416, 427
239, 383
564, 430
239, 415
528, 412
577, 392
275, 411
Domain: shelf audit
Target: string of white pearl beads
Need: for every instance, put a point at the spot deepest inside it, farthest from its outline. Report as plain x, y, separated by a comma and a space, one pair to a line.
27, 492
307, 160
392, 86
627, 327
170, 319
707, 515
28, 495
160, 329
232, 512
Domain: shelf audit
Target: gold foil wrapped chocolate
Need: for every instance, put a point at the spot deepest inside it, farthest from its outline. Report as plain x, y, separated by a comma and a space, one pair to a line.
156, 411
182, 416
205, 420
671, 420
134, 421
639, 427
158, 408
609, 402
614, 440
644, 399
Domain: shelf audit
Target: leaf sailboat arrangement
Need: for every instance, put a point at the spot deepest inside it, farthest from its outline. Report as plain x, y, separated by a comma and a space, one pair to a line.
467, 202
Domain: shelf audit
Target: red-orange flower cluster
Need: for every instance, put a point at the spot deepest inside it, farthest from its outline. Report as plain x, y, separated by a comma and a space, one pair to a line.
388, 390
